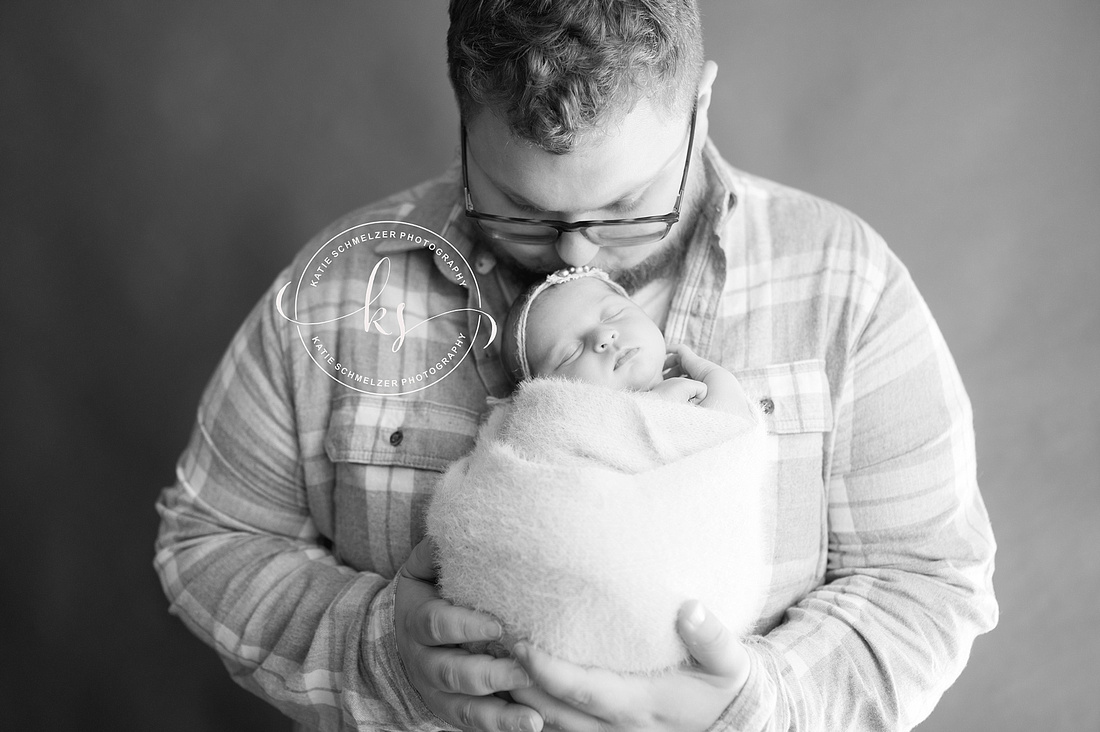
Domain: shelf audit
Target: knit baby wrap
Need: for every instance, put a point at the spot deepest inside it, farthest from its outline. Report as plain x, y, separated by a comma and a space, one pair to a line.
585, 517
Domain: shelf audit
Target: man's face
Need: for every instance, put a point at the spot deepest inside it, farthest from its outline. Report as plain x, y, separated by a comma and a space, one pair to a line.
632, 168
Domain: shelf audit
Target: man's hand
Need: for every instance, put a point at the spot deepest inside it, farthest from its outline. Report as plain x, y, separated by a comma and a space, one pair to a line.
455, 684
723, 390
575, 699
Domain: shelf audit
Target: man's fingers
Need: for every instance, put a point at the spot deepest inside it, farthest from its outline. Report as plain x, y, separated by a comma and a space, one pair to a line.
439, 623
715, 649
430, 620
455, 684
556, 714
486, 714
457, 671
595, 692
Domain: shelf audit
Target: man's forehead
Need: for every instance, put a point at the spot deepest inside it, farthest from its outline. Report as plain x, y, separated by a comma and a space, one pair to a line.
605, 166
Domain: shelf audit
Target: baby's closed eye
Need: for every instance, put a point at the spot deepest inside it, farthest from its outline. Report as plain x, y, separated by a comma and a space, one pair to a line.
611, 314
571, 352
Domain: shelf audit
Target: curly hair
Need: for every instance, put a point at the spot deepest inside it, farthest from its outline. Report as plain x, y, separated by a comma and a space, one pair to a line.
554, 69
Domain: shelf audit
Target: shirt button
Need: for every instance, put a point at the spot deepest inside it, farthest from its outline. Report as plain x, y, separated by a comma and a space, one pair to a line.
697, 306
396, 437
484, 263
766, 404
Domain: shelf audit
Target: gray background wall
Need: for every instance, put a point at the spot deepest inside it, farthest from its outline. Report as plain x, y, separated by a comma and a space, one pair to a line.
162, 161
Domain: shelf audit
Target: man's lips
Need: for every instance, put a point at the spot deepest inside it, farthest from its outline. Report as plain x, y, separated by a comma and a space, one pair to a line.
625, 355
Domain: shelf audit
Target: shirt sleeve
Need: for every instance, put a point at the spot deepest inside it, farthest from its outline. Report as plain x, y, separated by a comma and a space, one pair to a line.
908, 582
239, 558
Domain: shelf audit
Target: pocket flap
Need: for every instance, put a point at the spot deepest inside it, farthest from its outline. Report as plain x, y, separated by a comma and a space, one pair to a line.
403, 432
795, 396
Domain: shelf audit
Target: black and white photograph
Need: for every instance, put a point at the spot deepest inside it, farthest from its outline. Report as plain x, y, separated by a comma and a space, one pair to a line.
551, 365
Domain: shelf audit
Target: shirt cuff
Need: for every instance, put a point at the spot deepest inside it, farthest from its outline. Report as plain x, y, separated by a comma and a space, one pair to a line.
754, 705
422, 719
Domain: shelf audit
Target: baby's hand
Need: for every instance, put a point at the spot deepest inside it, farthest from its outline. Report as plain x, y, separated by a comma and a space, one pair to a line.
723, 390
681, 389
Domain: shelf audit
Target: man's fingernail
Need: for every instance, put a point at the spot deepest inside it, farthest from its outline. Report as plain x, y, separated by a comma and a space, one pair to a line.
697, 615
519, 678
492, 631
519, 650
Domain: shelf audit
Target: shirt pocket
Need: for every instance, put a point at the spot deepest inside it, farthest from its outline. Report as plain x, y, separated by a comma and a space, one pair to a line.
387, 455
796, 400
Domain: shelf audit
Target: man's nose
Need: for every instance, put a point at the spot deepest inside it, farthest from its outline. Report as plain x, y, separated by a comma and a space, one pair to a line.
576, 250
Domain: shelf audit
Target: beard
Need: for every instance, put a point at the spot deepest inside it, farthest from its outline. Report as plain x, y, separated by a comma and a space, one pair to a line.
663, 263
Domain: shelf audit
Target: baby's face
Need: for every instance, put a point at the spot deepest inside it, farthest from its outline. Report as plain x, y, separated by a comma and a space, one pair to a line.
584, 330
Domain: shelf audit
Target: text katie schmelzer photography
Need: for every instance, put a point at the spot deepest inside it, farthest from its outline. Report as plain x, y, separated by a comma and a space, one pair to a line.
339, 260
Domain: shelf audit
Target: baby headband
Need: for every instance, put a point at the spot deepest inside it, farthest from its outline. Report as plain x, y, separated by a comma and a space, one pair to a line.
560, 277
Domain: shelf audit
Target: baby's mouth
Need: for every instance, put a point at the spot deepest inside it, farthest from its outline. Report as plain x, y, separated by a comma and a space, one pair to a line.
625, 355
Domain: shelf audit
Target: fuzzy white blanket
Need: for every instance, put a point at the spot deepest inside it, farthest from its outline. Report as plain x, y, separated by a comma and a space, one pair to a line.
585, 517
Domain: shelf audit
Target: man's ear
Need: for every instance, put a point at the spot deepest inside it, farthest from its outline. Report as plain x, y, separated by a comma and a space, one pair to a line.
706, 85
702, 101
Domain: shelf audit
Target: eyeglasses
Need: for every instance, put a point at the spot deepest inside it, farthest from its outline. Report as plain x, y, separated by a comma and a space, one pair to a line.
603, 232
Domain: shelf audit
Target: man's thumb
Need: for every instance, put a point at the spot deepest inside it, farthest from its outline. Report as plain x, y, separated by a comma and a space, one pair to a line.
715, 649
421, 562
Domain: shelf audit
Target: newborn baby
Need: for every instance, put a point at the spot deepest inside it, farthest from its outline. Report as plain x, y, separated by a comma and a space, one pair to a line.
602, 495
584, 326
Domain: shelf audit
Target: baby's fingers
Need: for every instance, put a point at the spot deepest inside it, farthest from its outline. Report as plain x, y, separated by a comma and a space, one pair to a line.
692, 364
681, 389
672, 367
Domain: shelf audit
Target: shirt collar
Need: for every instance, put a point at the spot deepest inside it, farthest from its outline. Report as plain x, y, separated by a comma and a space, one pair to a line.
696, 301
721, 196
437, 210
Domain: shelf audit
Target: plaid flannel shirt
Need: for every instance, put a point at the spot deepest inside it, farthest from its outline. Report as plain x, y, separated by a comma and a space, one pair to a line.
297, 499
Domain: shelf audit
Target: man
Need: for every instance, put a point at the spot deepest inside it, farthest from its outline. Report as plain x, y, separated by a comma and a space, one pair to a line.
291, 541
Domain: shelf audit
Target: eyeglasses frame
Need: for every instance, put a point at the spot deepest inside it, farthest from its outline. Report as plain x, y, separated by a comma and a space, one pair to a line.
570, 226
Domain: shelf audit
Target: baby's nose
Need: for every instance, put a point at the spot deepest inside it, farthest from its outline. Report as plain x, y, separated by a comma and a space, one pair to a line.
605, 338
